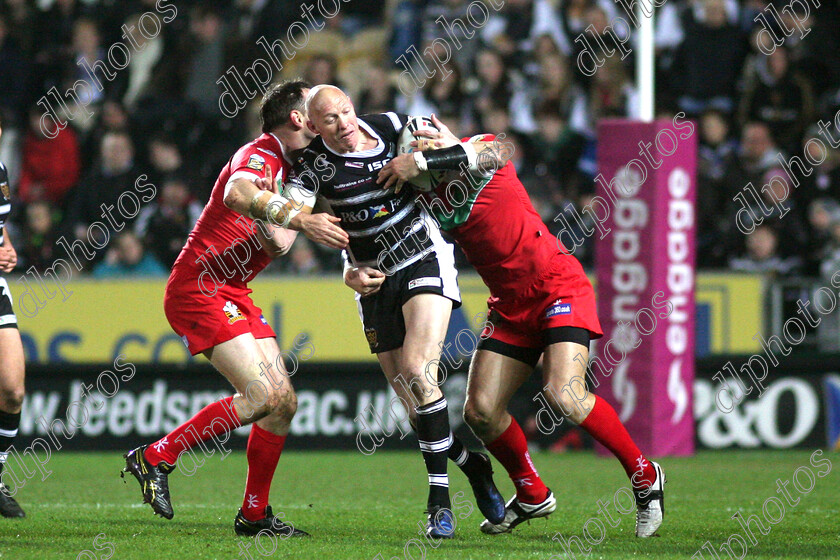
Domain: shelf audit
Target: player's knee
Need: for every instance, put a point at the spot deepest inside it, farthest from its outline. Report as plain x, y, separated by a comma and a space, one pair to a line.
420, 366
283, 404
564, 401
11, 398
413, 370
420, 388
478, 415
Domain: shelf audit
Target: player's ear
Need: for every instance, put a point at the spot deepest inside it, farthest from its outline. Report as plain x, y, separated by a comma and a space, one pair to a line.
311, 126
297, 118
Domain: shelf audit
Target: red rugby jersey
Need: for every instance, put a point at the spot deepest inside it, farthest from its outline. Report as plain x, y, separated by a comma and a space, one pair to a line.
497, 227
223, 242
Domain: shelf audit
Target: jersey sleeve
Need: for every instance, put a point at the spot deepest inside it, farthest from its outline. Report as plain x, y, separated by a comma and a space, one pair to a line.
480, 138
250, 163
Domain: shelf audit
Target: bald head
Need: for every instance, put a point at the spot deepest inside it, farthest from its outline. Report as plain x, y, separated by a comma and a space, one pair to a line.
320, 93
332, 115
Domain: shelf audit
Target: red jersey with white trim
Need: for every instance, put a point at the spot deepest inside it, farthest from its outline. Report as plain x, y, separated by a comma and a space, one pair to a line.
497, 227
223, 242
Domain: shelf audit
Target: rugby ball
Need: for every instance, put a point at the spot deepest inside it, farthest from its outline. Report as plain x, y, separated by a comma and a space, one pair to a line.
427, 180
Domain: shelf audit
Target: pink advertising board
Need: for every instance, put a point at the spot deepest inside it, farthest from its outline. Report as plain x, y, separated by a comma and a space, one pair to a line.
645, 267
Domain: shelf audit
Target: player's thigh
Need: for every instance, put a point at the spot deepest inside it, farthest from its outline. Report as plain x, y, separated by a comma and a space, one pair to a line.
239, 360
11, 370
493, 380
279, 375
564, 371
426, 320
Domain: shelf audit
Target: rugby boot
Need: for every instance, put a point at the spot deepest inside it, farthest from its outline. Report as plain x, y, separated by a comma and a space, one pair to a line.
8, 505
153, 480
269, 523
650, 505
516, 512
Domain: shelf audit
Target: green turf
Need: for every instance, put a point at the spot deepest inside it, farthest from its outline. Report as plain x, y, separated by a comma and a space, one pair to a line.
359, 507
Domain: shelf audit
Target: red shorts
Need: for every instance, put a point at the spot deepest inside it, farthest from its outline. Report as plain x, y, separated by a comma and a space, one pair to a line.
204, 321
561, 296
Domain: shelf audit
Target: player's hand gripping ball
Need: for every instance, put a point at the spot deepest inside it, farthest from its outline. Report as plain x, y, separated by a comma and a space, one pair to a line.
426, 180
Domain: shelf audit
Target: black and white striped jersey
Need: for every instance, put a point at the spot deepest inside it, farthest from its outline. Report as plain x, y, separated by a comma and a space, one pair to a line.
5, 199
387, 230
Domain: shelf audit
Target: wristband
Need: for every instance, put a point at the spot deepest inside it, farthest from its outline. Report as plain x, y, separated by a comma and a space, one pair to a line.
472, 155
451, 158
257, 208
420, 160
276, 206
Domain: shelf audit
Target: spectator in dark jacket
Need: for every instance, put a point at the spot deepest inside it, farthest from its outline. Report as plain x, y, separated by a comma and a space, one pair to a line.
164, 224
709, 61
39, 238
778, 96
114, 174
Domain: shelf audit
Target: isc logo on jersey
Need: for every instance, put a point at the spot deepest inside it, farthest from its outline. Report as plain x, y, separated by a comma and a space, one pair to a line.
378, 164
232, 312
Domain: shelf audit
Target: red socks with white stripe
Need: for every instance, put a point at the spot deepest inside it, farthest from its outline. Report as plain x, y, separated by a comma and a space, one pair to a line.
214, 419
264, 449
603, 424
511, 450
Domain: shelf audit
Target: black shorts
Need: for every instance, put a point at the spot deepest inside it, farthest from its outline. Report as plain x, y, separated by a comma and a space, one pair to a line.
381, 312
7, 312
531, 356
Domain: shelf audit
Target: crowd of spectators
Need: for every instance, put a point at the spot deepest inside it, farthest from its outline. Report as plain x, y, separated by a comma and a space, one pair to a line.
515, 74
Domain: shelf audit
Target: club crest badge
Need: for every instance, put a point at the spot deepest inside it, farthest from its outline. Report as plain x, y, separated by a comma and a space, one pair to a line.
232, 312
370, 334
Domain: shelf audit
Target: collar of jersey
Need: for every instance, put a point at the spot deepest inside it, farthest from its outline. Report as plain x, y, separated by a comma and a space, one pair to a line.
380, 146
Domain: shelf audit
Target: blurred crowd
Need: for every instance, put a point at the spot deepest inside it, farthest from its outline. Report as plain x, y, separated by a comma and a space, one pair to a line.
515, 74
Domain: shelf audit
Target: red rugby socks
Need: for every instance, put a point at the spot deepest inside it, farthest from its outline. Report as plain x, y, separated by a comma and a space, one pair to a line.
603, 425
264, 449
511, 450
214, 419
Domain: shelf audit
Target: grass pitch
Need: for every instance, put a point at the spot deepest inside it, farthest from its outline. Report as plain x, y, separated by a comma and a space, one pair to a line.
359, 507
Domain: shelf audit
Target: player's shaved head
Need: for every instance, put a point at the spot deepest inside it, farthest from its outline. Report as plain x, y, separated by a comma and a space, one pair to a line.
322, 93
332, 115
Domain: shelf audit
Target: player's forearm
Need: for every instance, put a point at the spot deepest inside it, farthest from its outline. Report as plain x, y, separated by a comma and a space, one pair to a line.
240, 194
493, 152
298, 221
244, 197
282, 240
474, 156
